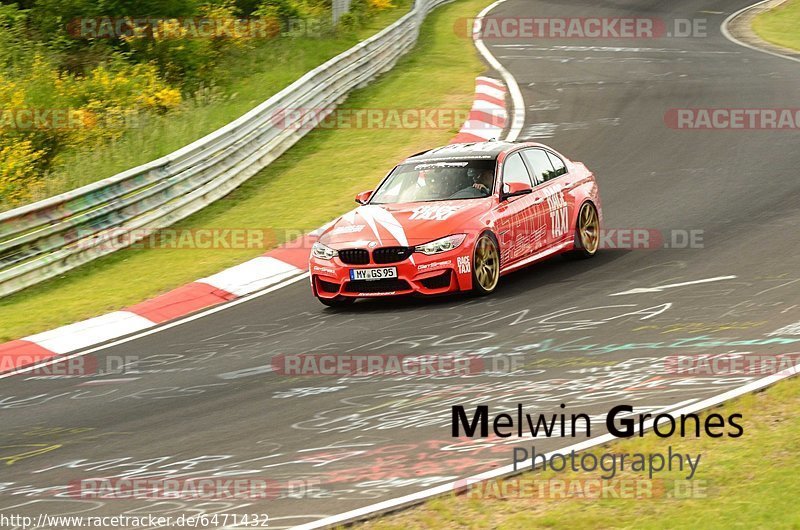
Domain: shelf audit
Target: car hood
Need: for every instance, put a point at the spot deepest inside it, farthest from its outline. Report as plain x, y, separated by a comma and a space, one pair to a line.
404, 224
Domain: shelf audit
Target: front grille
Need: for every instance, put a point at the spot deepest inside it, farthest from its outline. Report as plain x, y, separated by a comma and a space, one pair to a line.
437, 282
391, 254
376, 286
354, 256
327, 287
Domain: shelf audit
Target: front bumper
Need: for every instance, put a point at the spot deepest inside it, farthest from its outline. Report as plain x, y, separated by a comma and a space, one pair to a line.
427, 275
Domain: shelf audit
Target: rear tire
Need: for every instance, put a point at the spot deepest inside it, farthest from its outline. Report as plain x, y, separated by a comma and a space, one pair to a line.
587, 232
485, 265
338, 302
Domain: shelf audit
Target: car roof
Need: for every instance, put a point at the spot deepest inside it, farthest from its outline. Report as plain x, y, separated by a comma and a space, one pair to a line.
473, 150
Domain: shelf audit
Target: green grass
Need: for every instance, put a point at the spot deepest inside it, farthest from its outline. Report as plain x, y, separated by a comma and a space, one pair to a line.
750, 482
780, 25
311, 184
251, 76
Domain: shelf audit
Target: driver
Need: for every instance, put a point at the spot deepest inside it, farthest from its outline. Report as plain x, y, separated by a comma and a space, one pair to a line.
483, 181
435, 185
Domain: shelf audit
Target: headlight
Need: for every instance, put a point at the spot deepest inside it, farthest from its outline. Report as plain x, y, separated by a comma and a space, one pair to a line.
441, 245
318, 250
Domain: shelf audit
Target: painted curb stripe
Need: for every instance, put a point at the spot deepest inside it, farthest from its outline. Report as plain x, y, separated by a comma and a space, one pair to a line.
489, 99
413, 499
488, 115
497, 93
488, 81
486, 120
19, 353
517, 105
496, 120
181, 301
464, 138
482, 130
251, 276
89, 332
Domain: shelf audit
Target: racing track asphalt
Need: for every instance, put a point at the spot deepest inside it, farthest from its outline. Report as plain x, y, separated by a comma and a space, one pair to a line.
204, 402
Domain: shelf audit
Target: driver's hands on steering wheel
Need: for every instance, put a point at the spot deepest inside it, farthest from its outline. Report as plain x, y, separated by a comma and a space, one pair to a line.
479, 186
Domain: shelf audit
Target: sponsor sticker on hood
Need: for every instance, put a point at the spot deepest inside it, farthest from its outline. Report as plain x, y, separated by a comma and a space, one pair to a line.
434, 212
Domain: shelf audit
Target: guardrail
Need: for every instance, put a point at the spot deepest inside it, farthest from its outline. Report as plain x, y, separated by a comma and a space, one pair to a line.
47, 238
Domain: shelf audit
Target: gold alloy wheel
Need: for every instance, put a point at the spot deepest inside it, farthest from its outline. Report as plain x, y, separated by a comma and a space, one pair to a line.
589, 228
487, 263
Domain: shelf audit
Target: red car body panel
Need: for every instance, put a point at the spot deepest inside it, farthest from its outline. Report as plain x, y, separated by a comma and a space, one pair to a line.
528, 228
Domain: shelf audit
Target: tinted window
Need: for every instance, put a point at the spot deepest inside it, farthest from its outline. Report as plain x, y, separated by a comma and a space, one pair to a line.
558, 164
514, 170
539, 164
436, 181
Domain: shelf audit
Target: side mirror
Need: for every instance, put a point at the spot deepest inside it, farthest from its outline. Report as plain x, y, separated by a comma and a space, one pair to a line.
363, 197
514, 189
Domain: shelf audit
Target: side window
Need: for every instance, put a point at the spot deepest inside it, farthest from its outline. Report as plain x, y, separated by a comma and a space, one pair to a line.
514, 170
539, 164
558, 164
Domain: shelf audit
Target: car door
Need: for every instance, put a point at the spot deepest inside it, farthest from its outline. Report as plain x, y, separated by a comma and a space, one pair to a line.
521, 224
567, 183
558, 204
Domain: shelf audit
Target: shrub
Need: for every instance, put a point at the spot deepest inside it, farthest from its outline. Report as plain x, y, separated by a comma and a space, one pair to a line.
99, 105
20, 171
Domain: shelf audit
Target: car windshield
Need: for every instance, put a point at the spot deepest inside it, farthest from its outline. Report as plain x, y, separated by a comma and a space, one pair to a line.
437, 181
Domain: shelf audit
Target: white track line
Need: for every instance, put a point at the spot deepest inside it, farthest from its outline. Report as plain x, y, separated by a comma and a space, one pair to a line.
416, 498
518, 104
727, 34
195, 316
660, 288
507, 471
227, 279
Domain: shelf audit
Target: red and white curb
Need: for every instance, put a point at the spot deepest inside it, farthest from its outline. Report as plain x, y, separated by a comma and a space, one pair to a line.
486, 121
488, 115
259, 273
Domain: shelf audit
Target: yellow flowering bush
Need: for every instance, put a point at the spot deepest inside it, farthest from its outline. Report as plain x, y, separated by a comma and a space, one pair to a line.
75, 111
380, 4
20, 171
63, 95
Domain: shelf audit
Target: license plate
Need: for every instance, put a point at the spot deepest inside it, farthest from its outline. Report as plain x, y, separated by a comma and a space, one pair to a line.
373, 274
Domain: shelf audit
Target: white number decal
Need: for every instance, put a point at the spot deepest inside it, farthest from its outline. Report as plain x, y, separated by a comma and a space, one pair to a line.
433, 213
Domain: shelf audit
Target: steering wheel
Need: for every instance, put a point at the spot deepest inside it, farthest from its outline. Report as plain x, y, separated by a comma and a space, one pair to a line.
468, 193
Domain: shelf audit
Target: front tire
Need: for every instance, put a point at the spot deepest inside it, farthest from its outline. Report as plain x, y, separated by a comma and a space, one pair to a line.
587, 232
485, 265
